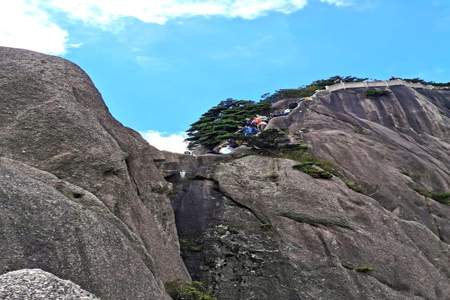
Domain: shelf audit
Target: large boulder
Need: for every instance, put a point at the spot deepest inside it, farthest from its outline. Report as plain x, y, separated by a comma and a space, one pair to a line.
122, 239
35, 284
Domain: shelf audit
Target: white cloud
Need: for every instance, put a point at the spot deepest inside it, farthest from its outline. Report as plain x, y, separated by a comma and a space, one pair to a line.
173, 142
24, 25
105, 12
338, 2
28, 23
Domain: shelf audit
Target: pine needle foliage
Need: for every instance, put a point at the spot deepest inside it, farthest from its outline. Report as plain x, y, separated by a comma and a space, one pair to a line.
310, 89
222, 122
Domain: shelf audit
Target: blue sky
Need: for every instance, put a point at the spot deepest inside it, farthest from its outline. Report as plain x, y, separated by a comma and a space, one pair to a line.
160, 64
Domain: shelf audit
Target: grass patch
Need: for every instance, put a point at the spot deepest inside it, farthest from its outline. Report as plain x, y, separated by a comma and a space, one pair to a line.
376, 93
313, 170
191, 245
353, 186
360, 269
359, 130
308, 163
274, 143
364, 269
266, 227
441, 197
268, 140
194, 290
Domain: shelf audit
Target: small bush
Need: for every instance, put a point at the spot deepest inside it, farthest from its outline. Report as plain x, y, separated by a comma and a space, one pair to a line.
353, 186
191, 245
364, 269
359, 130
300, 155
376, 93
308, 163
266, 227
314, 171
308, 90
194, 290
443, 198
270, 139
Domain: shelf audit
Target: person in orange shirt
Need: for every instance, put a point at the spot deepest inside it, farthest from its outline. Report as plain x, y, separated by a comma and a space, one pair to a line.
256, 120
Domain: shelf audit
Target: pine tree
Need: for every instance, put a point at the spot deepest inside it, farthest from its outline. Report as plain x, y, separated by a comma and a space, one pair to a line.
222, 122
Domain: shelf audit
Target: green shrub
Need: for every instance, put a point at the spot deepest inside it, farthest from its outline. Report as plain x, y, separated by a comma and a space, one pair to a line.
424, 82
270, 139
301, 154
308, 90
442, 197
313, 170
359, 130
308, 163
191, 245
376, 93
266, 227
353, 186
364, 269
194, 290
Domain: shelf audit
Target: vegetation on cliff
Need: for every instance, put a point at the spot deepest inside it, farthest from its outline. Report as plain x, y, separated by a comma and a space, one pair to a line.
194, 290
223, 121
310, 89
424, 82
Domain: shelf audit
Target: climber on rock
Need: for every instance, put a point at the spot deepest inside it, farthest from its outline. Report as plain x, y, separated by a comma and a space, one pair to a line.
262, 125
256, 121
250, 130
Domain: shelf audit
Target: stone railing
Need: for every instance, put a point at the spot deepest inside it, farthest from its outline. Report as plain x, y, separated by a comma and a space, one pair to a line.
374, 84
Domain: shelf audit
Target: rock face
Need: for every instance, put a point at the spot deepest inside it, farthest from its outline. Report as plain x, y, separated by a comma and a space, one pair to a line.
391, 146
86, 199
80, 196
256, 228
36, 284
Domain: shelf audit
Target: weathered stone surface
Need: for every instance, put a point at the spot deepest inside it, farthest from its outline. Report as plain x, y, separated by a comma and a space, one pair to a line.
82, 197
35, 284
50, 224
263, 230
53, 119
391, 146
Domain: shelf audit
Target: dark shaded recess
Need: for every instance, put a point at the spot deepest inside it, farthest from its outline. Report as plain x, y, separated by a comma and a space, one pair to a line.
198, 206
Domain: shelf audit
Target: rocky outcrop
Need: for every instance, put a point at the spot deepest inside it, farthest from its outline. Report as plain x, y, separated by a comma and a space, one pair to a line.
36, 284
80, 196
394, 146
257, 228
86, 199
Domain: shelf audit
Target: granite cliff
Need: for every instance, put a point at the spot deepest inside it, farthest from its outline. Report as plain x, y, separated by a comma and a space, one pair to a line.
81, 197
88, 200
374, 225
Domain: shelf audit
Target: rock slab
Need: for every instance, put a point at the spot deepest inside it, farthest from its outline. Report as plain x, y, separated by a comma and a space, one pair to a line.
35, 284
